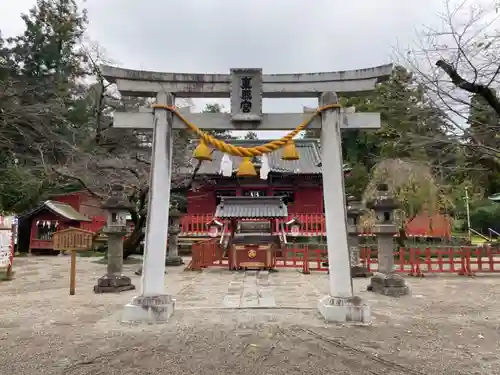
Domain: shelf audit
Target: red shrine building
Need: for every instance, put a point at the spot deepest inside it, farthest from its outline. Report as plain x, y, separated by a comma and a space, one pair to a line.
298, 181
77, 209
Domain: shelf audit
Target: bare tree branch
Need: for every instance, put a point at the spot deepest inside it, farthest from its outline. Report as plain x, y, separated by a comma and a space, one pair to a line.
471, 87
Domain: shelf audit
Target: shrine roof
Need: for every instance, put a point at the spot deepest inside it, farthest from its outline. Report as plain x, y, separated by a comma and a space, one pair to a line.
251, 207
60, 209
308, 150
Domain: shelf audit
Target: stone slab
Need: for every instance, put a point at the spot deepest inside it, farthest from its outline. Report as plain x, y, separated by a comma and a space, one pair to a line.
113, 284
113, 289
149, 309
268, 301
344, 310
173, 261
392, 285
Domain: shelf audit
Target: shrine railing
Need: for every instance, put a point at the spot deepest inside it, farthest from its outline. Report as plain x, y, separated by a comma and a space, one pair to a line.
311, 225
465, 260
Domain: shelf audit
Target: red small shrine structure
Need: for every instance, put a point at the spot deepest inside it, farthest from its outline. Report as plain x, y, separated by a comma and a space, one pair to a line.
299, 182
77, 209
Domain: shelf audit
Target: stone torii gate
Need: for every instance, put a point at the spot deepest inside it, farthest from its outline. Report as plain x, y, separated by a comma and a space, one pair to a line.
154, 305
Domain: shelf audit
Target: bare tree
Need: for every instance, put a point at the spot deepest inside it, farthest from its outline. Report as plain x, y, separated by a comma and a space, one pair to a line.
109, 156
457, 61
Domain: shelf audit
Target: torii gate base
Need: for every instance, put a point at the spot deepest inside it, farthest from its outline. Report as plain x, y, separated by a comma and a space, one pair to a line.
153, 305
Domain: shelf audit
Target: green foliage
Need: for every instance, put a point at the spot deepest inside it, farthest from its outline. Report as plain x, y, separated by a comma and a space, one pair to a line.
251, 135
213, 108
217, 108
48, 48
357, 180
43, 111
486, 216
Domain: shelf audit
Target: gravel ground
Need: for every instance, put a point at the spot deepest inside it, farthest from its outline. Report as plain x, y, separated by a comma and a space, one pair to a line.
449, 325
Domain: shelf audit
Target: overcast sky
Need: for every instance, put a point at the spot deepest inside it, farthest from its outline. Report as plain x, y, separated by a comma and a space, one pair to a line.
279, 36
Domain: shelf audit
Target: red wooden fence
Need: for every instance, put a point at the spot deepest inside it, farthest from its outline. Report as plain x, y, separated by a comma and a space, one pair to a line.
413, 261
311, 225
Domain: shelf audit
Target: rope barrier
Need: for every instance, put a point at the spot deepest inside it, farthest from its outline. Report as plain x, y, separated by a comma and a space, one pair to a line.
245, 151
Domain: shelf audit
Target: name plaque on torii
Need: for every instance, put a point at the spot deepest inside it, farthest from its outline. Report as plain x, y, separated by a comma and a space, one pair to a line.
246, 95
246, 88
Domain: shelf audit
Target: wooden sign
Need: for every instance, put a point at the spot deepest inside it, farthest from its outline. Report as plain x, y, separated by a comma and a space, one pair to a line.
72, 239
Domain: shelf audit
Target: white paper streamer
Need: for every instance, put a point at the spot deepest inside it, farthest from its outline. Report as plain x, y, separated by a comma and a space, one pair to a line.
264, 169
226, 166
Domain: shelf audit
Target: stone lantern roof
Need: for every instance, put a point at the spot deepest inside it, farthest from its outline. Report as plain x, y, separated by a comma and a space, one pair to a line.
383, 200
354, 207
174, 213
117, 200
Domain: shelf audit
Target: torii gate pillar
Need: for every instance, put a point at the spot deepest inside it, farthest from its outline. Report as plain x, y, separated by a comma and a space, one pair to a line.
340, 305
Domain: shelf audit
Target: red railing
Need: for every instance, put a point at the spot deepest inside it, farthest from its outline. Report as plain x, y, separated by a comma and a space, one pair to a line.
464, 260
413, 261
207, 253
311, 224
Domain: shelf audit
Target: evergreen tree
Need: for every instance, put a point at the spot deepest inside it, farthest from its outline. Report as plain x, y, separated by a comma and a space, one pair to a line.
251, 135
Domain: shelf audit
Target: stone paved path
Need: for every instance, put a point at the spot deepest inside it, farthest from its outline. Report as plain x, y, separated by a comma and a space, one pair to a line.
249, 290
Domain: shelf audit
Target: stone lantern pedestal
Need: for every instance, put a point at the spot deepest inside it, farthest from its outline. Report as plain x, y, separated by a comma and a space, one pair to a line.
354, 212
385, 281
114, 281
172, 258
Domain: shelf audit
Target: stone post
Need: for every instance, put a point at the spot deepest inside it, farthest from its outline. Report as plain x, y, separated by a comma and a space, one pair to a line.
385, 281
116, 227
340, 305
354, 212
173, 258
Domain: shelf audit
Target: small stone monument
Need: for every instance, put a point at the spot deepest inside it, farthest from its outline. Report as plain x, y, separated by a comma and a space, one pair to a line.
173, 258
116, 227
354, 211
385, 281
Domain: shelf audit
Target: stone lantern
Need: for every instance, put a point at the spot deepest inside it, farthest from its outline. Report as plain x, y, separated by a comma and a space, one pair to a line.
117, 207
385, 281
354, 211
174, 228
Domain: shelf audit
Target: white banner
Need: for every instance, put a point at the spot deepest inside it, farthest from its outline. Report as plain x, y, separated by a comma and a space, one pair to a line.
5, 247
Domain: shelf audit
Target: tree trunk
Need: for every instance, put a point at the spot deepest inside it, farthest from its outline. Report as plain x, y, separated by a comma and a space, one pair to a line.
132, 244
